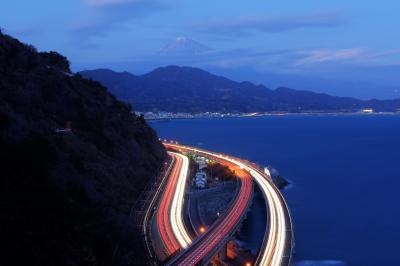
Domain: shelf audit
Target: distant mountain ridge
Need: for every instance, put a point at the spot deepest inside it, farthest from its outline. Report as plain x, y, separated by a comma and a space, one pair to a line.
187, 89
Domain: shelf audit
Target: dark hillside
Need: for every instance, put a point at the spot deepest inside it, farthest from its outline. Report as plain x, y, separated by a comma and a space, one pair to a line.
66, 197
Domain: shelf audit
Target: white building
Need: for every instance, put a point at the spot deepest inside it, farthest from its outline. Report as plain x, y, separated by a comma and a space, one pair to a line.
266, 171
201, 161
368, 111
201, 179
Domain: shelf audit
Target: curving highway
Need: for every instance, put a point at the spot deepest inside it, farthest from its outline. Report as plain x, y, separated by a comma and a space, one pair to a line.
216, 236
277, 245
176, 211
169, 218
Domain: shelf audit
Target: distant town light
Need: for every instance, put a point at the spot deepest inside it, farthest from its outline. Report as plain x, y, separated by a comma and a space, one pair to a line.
368, 111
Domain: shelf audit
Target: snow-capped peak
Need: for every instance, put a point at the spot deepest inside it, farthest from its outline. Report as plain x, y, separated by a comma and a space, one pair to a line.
184, 45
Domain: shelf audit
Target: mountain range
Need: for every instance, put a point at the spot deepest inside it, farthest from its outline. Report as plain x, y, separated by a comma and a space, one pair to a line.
187, 89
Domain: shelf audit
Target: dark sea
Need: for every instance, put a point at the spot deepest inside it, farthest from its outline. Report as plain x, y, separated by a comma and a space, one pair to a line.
345, 174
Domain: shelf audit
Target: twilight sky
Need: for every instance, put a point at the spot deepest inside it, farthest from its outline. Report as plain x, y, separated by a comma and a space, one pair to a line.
341, 47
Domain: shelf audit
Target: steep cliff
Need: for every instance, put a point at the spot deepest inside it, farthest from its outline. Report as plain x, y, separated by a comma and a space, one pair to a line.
73, 161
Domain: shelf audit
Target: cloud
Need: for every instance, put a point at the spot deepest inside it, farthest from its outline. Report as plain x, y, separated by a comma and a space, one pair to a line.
284, 60
294, 60
324, 56
245, 58
99, 17
110, 2
353, 56
248, 24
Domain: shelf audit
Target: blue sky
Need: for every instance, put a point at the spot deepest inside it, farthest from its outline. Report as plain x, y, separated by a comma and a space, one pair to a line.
347, 47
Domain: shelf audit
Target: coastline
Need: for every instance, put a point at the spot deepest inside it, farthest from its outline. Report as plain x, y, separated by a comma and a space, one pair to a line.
312, 152
187, 116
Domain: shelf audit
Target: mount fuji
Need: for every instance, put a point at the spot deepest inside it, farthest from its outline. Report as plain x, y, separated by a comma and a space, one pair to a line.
184, 46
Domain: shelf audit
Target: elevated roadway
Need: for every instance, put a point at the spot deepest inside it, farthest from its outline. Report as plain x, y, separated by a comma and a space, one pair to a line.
168, 217
277, 246
205, 247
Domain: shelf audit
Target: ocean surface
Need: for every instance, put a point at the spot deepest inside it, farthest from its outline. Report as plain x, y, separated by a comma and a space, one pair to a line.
345, 174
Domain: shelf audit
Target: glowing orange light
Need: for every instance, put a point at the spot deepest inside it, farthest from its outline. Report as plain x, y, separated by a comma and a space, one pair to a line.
248, 264
202, 229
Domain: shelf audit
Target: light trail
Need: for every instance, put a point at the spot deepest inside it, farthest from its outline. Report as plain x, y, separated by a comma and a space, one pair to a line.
274, 251
274, 246
149, 210
219, 233
169, 216
176, 217
163, 223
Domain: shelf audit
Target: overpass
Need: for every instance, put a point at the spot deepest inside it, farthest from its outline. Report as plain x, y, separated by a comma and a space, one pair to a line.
169, 233
278, 241
216, 236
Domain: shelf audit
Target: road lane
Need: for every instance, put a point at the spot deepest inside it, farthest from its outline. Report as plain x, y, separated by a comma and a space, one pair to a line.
169, 217
163, 225
211, 241
277, 243
176, 212
219, 232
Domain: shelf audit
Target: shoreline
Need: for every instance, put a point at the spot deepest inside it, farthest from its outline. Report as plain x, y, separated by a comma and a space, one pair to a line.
184, 116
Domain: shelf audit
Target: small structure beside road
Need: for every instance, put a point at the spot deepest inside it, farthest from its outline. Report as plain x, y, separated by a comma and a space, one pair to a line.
200, 179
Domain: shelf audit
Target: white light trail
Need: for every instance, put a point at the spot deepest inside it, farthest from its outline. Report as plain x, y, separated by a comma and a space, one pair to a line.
176, 211
274, 249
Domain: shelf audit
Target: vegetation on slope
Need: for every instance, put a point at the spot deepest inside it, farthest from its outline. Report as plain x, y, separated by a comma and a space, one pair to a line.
66, 197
